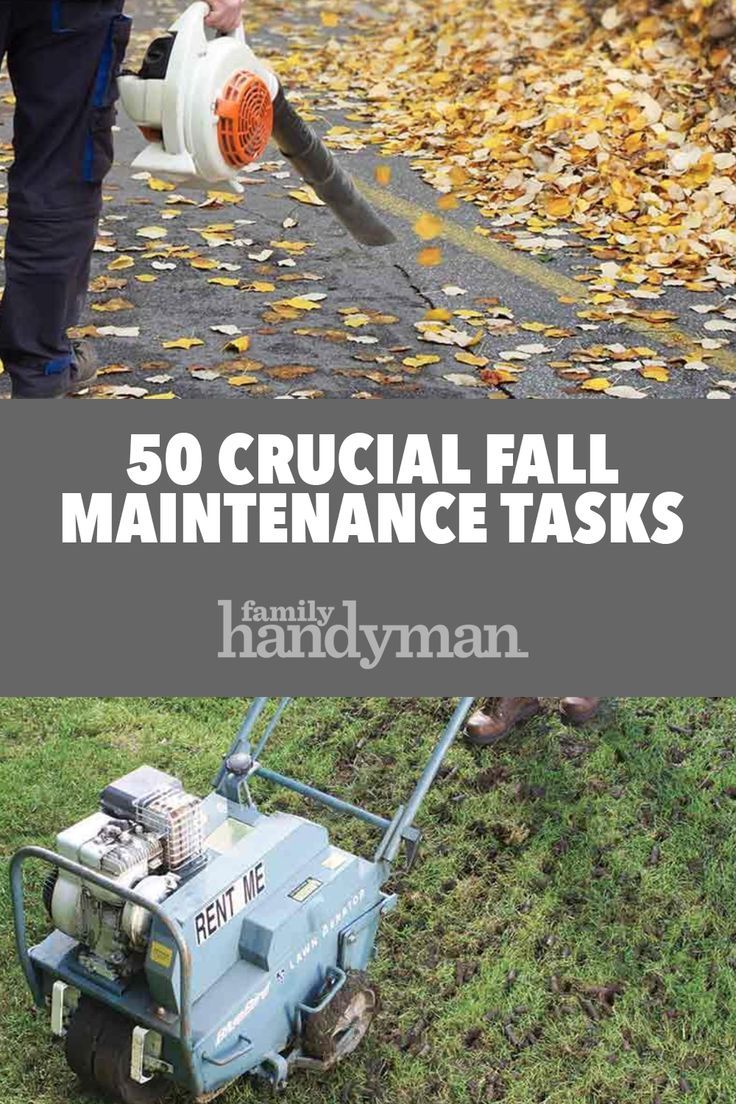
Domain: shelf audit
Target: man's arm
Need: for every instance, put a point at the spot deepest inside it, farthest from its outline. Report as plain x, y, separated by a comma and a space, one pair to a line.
225, 15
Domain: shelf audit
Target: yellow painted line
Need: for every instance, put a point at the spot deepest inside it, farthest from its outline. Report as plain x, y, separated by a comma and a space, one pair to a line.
526, 268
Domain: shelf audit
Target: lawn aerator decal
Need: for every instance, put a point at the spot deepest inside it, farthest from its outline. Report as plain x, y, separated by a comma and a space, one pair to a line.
303, 952
229, 903
336, 920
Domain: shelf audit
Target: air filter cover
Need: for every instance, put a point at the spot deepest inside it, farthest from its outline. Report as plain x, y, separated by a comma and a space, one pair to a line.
245, 112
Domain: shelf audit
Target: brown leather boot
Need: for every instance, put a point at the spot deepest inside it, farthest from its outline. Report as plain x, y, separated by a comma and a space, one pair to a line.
578, 711
487, 726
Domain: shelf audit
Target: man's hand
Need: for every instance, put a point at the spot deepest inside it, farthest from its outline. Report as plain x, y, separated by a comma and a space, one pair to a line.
226, 15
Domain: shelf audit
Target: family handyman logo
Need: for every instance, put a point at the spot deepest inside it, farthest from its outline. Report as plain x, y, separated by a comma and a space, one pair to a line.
307, 630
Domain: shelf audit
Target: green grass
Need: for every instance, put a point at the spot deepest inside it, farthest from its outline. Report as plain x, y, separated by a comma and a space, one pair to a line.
568, 935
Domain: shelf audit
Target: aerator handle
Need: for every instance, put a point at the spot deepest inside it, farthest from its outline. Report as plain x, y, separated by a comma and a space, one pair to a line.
402, 824
399, 829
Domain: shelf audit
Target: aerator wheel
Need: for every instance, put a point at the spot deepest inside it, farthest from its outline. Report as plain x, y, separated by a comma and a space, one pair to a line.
98, 1046
112, 1065
334, 1033
80, 1042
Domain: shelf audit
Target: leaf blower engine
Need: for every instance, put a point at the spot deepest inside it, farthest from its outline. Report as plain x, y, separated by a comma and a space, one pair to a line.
209, 107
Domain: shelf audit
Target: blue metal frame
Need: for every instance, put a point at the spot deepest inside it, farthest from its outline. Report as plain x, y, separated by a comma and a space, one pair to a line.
181, 1030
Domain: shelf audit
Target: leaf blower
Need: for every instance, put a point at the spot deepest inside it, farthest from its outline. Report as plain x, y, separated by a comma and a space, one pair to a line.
209, 107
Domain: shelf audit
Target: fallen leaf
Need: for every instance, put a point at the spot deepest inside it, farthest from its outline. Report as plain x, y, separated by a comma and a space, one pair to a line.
622, 391
183, 343
206, 375
107, 283
559, 206
120, 264
224, 199
420, 361
494, 376
260, 286
160, 185
123, 391
242, 381
307, 195
238, 345
290, 371
462, 379
152, 233
655, 372
113, 370
300, 303
471, 359
112, 306
119, 331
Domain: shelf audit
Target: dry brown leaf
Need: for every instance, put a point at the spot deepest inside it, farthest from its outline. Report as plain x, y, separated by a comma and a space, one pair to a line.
289, 371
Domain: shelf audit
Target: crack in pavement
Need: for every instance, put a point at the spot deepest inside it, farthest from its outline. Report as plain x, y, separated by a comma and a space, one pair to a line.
414, 287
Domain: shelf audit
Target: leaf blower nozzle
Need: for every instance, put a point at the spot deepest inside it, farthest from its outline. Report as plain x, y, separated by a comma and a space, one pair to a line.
315, 164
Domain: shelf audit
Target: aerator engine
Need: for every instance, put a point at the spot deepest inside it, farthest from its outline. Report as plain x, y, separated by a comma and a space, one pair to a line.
147, 836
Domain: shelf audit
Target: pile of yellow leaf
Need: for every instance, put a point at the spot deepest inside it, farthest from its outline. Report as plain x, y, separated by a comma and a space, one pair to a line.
616, 122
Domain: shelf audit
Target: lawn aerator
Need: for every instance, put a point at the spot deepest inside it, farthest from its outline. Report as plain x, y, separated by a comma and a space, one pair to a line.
196, 941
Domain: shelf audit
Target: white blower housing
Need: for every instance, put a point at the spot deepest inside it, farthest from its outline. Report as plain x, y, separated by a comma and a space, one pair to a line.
209, 111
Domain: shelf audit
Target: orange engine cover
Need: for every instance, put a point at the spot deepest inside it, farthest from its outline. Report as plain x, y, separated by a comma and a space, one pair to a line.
245, 113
